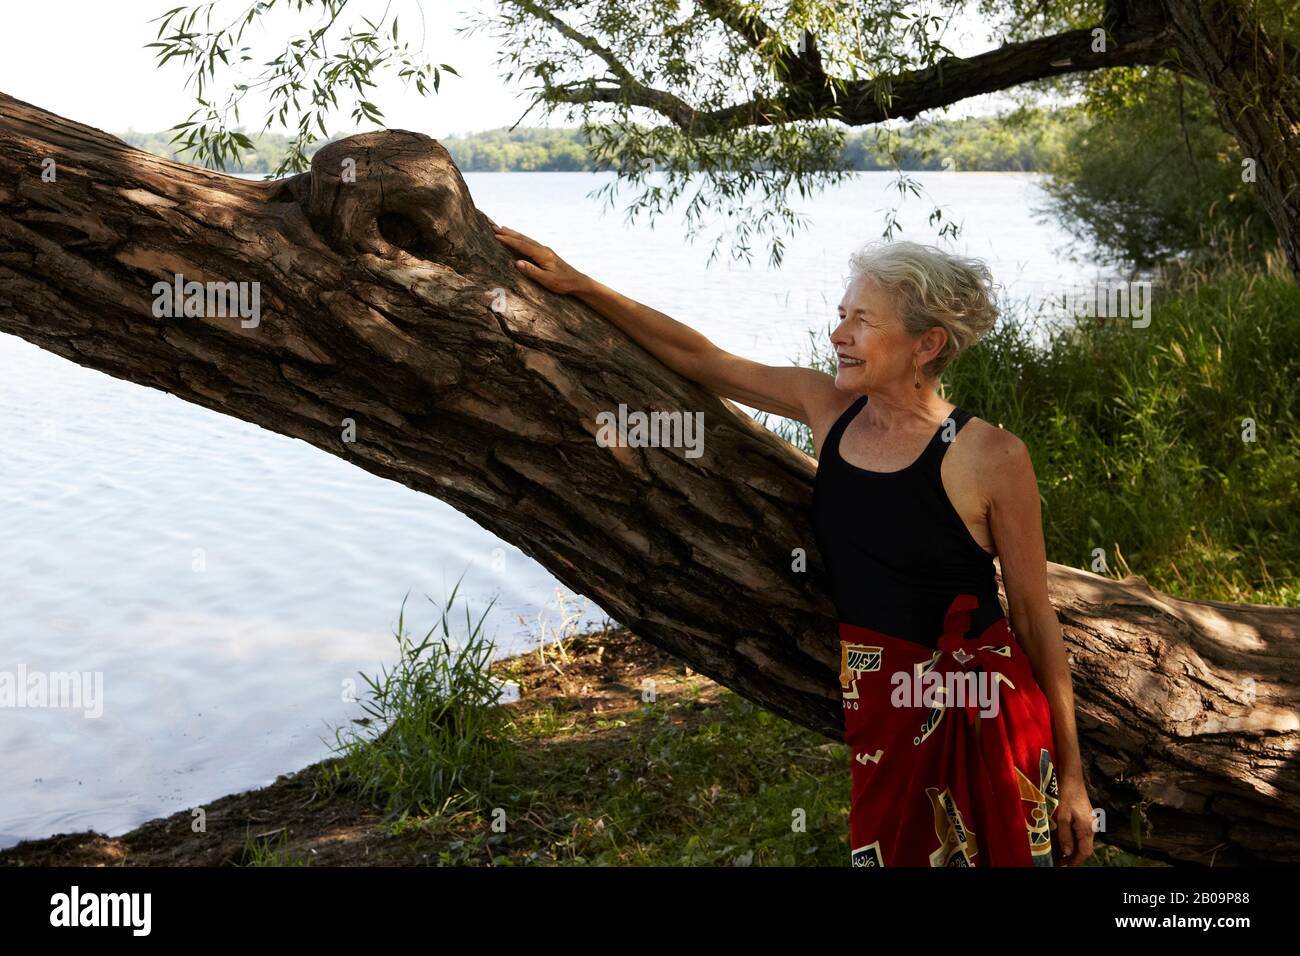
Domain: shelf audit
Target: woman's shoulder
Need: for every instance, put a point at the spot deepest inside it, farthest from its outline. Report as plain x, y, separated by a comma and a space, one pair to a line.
986, 447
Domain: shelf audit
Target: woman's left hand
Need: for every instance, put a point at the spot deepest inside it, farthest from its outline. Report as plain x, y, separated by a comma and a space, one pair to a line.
1074, 821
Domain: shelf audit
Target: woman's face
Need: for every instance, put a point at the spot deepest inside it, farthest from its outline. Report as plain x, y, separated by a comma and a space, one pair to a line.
872, 347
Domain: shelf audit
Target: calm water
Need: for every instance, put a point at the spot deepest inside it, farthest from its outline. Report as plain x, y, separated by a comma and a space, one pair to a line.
226, 581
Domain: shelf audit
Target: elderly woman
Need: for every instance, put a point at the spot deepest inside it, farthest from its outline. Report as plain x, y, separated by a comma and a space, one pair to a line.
964, 748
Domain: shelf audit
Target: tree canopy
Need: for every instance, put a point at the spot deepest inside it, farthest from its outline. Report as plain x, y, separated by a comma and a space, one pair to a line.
740, 105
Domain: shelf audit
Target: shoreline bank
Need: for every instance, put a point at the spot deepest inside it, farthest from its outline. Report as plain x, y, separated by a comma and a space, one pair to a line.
593, 683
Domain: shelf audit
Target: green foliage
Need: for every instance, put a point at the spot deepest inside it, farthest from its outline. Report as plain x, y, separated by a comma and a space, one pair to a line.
695, 64
674, 790
302, 82
432, 742
1024, 141
1143, 452
736, 145
753, 96
1148, 169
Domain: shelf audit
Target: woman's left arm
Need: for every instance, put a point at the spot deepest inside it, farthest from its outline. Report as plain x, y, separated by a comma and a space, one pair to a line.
1016, 524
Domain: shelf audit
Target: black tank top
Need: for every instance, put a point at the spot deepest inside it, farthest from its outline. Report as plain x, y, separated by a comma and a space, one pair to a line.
895, 549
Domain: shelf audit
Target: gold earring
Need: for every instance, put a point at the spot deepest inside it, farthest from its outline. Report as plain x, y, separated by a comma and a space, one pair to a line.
918, 377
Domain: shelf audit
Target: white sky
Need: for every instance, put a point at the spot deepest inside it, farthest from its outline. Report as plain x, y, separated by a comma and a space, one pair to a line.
85, 60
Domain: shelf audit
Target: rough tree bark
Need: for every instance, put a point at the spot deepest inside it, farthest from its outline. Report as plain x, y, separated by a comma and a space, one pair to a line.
1254, 80
387, 301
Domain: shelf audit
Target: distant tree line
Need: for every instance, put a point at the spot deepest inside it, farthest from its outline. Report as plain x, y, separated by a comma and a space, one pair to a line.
1029, 141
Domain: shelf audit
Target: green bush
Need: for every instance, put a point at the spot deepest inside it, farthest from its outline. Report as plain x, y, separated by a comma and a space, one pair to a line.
1144, 180
1137, 437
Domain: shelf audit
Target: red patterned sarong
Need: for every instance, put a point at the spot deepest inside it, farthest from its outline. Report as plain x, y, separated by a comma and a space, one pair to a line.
952, 755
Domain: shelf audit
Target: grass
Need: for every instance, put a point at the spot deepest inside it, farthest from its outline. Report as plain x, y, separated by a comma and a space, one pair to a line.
432, 741
1139, 438
679, 771
738, 787
271, 850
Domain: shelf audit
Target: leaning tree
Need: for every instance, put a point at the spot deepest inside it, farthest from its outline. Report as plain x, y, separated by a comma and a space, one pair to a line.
391, 316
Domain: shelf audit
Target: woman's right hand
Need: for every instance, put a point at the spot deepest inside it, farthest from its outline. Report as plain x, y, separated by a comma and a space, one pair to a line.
546, 267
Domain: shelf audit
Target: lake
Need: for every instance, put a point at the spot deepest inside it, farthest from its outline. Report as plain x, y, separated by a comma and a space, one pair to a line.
227, 582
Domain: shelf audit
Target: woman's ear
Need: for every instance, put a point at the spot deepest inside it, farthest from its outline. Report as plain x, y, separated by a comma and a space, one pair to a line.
935, 338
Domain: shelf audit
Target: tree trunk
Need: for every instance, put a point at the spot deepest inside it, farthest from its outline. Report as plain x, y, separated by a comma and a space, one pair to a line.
1254, 79
386, 301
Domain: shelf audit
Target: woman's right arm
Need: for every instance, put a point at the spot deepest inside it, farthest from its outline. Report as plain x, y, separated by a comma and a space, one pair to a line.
790, 391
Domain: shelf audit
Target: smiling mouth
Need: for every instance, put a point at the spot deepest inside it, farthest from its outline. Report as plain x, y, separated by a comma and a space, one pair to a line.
846, 362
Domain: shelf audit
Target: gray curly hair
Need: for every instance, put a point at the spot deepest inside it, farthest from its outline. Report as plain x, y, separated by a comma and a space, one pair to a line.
933, 288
